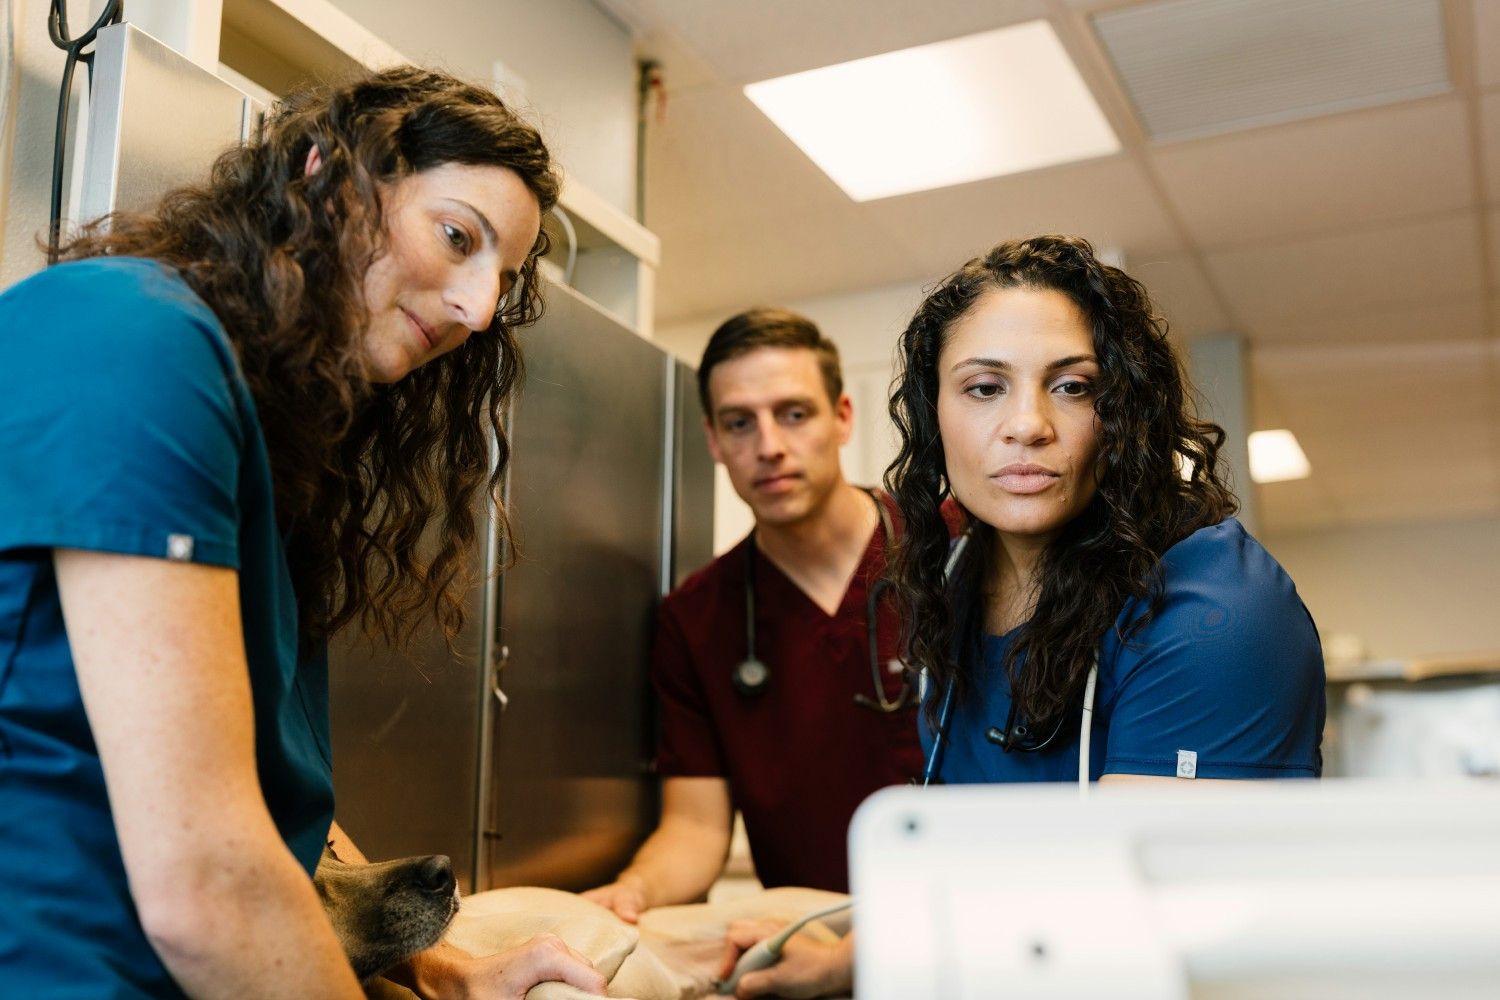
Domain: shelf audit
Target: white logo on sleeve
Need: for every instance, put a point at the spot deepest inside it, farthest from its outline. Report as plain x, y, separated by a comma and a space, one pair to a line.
1187, 763
180, 547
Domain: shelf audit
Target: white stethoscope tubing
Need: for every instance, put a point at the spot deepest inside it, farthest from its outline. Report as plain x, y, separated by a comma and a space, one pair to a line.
1086, 728
945, 711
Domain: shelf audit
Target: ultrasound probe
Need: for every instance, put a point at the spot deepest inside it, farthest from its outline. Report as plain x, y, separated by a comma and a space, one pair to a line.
766, 953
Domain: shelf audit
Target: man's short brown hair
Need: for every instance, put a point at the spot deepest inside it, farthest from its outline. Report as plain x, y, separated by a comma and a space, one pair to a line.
768, 327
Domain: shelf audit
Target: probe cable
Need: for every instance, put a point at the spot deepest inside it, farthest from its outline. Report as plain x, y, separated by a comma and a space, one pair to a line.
766, 953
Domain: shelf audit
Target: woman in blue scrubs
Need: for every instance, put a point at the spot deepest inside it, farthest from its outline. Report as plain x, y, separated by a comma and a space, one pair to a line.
1101, 566
225, 426
1104, 567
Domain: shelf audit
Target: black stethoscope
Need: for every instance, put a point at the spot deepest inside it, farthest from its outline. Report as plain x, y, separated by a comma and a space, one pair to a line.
1015, 736
751, 675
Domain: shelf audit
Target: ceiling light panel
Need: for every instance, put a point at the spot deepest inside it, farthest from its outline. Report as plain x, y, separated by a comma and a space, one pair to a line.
985, 105
1202, 67
1275, 457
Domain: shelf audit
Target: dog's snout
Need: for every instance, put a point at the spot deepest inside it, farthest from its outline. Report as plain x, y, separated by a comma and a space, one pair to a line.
435, 875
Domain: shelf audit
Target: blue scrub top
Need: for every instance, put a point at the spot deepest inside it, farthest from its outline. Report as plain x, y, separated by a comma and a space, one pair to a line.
126, 426
1231, 669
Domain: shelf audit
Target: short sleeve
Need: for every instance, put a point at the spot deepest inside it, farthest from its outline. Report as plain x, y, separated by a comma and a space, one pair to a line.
688, 745
1230, 671
120, 430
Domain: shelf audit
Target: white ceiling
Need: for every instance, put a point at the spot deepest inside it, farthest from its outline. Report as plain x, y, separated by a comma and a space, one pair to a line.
1359, 252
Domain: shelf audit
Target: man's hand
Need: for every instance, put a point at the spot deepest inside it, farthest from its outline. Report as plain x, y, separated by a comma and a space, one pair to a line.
449, 973
680, 860
627, 898
808, 968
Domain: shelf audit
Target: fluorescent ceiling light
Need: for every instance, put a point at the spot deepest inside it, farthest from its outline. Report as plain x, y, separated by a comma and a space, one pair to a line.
981, 106
1275, 456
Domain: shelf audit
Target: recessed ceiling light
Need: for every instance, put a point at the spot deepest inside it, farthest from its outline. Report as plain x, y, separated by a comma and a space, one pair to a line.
980, 106
1275, 456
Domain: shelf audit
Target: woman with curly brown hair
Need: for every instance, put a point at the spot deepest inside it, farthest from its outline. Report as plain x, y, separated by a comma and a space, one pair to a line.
1106, 598
225, 426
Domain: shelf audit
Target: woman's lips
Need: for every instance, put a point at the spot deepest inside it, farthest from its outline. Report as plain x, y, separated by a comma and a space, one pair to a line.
1025, 478
424, 332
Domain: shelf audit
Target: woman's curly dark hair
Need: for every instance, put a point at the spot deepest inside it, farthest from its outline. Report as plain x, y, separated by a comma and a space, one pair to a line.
1159, 480
361, 471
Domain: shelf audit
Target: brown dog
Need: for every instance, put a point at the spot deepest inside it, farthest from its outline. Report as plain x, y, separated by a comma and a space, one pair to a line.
386, 912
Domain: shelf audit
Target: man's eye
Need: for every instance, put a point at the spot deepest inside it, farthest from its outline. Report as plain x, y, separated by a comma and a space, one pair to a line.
794, 416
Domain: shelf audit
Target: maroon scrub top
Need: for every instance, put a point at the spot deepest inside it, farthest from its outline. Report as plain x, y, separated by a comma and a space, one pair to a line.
801, 755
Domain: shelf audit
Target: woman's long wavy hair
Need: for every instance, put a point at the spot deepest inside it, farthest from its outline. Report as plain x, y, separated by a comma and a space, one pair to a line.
280, 254
1159, 479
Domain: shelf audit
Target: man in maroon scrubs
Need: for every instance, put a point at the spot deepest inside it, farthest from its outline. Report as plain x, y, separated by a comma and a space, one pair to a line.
784, 740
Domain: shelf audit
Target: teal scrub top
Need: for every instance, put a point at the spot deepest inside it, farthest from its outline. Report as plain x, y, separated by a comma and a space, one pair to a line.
126, 426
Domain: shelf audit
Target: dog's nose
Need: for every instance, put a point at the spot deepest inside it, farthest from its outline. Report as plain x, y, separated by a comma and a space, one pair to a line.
435, 875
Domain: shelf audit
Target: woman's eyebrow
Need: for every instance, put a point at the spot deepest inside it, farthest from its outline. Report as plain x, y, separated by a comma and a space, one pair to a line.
1005, 366
1071, 360
484, 223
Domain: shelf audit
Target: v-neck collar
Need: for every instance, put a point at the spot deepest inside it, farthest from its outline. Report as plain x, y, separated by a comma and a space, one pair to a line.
878, 537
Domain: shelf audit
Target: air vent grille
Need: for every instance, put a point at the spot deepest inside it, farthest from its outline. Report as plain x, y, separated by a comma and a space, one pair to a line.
1200, 67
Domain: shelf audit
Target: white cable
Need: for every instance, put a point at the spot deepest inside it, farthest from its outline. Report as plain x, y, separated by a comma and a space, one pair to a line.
766, 953
566, 222
1085, 729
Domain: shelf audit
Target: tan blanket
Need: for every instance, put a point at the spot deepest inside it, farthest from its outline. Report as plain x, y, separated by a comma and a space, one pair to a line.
673, 954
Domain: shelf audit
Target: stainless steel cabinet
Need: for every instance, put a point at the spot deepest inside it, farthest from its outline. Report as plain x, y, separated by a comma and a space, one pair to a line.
525, 754
570, 796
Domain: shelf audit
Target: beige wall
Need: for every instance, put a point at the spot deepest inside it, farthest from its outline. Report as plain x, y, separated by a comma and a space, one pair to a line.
1405, 590
575, 62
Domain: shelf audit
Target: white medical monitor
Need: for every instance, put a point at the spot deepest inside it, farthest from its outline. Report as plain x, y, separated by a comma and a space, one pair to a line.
1332, 890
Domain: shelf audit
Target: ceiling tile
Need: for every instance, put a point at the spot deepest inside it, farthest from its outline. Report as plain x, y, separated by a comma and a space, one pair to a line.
1107, 201
1387, 267
1388, 364
1387, 510
1180, 289
1400, 161
1193, 67
704, 273
1388, 427
1455, 318
1266, 410
715, 158
1295, 505
746, 42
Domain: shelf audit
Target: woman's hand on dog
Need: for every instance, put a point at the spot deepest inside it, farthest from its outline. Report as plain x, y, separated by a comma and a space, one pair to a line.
448, 973
807, 968
626, 898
